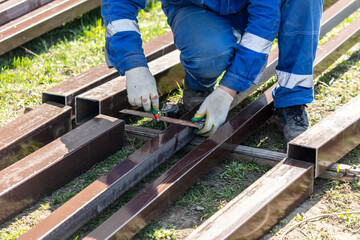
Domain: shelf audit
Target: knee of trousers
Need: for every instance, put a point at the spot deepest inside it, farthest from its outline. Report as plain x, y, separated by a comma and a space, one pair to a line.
205, 70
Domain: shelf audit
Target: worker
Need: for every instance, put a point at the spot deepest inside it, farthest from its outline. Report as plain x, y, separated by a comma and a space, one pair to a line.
217, 36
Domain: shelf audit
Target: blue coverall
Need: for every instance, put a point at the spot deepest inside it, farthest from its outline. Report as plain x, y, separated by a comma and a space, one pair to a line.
231, 35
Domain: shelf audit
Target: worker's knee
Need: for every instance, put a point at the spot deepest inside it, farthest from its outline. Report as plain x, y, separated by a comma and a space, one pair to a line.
205, 70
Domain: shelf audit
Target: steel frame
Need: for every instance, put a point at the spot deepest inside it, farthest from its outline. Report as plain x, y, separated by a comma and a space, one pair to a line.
13, 9
97, 196
110, 97
101, 205
27, 180
65, 92
32, 131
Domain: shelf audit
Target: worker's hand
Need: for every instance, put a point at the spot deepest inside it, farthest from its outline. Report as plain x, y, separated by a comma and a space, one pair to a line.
215, 109
141, 89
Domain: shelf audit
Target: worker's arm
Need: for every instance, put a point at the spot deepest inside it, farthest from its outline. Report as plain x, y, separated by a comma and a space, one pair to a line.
123, 50
252, 52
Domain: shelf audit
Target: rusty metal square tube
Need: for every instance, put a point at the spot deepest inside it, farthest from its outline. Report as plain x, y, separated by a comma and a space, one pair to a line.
53, 165
13, 9
260, 206
32, 131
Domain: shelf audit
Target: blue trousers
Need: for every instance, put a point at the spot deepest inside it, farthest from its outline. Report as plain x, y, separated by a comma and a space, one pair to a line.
208, 41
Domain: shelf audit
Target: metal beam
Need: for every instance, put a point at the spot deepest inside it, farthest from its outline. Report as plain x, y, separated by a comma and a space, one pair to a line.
13, 9
144, 207
110, 97
33, 130
66, 91
248, 154
42, 20
68, 218
260, 206
330, 139
55, 164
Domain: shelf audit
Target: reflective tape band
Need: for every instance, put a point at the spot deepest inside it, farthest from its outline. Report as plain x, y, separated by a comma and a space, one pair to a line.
121, 25
256, 43
291, 80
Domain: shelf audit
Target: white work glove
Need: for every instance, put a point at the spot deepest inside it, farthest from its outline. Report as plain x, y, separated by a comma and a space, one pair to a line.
215, 108
141, 89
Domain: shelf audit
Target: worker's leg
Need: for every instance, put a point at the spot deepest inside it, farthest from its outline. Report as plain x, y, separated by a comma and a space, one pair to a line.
298, 39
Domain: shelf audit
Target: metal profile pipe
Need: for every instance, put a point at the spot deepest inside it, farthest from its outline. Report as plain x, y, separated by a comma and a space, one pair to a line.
32, 131
42, 20
66, 91
69, 217
13, 9
144, 207
40, 173
260, 206
110, 97
330, 139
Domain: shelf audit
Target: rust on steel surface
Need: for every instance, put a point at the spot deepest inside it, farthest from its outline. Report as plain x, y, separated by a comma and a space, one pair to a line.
93, 199
32, 131
162, 118
260, 206
110, 97
331, 18
13, 9
55, 164
144, 207
42, 20
66, 91
330, 139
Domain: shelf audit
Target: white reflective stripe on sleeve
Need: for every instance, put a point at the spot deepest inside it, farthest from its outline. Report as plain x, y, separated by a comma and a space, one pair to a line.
291, 80
121, 25
256, 43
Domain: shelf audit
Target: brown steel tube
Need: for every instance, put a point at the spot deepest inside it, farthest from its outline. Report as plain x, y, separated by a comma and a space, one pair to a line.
260, 206
42, 20
43, 171
32, 131
13, 9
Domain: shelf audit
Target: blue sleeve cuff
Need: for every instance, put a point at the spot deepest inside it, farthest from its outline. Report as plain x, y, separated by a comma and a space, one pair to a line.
235, 82
130, 62
244, 68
